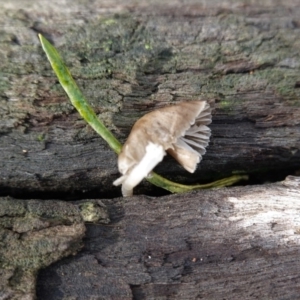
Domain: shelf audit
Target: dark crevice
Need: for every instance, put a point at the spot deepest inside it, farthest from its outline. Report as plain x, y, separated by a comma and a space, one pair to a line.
137, 292
255, 178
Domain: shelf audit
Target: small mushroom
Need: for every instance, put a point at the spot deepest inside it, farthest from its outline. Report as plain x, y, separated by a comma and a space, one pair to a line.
178, 129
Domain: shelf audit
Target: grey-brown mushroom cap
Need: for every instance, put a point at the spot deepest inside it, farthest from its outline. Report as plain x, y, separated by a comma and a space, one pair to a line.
168, 127
180, 130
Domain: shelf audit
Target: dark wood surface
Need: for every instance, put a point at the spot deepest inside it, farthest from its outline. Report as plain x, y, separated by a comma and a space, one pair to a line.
242, 58
232, 243
130, 58
34, 234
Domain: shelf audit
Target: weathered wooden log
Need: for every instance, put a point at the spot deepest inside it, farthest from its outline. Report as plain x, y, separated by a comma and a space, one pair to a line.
234, 243
244, 60
34, 234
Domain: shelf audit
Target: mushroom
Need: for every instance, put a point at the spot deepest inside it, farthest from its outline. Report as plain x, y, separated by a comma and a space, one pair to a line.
179, 130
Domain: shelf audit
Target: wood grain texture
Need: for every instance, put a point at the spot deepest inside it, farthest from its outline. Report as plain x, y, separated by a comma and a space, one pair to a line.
243, 58
34, 234
129, 58
234, 243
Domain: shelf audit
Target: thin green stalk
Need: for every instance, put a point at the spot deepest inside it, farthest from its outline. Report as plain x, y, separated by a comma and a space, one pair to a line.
77, 99
174, 187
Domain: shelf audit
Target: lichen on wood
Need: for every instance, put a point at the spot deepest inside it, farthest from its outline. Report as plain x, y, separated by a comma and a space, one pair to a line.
33, 235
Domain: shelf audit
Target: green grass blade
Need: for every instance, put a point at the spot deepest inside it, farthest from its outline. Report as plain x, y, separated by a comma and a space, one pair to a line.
77, 99
69, 85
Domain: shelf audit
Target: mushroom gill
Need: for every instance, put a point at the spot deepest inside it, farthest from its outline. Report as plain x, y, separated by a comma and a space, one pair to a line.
178, 129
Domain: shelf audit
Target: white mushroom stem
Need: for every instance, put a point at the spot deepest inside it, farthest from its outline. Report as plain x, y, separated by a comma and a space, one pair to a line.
178, 129
154, 155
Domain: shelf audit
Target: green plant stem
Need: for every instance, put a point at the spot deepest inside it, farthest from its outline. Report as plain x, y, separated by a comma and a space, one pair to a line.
77, 99
174, 187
